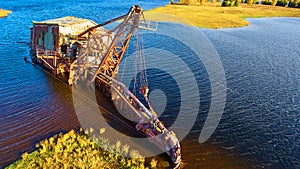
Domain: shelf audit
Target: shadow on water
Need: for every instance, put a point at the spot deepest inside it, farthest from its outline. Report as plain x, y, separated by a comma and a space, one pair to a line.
52, 113
89, 114
207, 155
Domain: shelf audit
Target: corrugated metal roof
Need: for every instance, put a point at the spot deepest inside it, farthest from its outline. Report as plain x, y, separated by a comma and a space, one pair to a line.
69, 25
65, 21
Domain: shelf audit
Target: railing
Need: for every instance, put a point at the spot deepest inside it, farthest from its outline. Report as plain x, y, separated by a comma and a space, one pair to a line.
39, 52
45, 55
50, 53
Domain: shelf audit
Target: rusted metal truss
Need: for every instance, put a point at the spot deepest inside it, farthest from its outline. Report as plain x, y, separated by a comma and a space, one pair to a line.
107, 46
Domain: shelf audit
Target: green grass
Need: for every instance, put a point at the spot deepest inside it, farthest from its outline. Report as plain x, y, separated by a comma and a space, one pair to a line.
4, 13
77, 150
215, 16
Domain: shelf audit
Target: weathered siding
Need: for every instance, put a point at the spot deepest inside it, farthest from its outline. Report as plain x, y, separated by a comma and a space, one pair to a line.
45, 37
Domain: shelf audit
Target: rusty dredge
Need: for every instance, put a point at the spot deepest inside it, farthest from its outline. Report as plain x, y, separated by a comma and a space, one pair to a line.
83, 50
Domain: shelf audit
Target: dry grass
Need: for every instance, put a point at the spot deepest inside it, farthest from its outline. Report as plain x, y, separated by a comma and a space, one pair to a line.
215, 16
4, 13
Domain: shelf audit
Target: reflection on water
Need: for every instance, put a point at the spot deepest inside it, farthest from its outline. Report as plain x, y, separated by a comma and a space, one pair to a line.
260, 125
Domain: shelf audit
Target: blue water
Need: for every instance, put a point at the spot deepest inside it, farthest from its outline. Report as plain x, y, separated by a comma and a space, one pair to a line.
260, 127
262, 113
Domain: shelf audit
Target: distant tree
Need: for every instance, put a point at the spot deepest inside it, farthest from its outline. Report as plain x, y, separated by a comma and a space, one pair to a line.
183, 2
266, 2
249, 1
188, 2
294, 3
202, 2
230, 3
192, 2
236, 3
297, 2
274, 2
281, 3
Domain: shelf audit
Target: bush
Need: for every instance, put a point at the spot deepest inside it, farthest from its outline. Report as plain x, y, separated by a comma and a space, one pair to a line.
249, 1
281, 3
266, 2
73, 150
227, 3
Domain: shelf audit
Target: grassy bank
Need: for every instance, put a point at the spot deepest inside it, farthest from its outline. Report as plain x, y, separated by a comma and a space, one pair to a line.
4, 13
77, 150
215, 16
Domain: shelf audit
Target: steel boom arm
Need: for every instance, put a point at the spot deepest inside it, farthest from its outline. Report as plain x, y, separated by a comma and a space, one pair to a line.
117, 48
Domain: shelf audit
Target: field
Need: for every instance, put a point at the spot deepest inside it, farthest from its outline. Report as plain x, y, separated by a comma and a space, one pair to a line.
4, 13
215, 16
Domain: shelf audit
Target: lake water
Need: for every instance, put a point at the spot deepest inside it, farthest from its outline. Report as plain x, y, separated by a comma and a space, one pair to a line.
262, 113
260, 126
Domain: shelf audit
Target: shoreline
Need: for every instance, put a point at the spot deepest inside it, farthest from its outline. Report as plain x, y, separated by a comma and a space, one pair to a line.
214, 16
77, 149
4, 13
